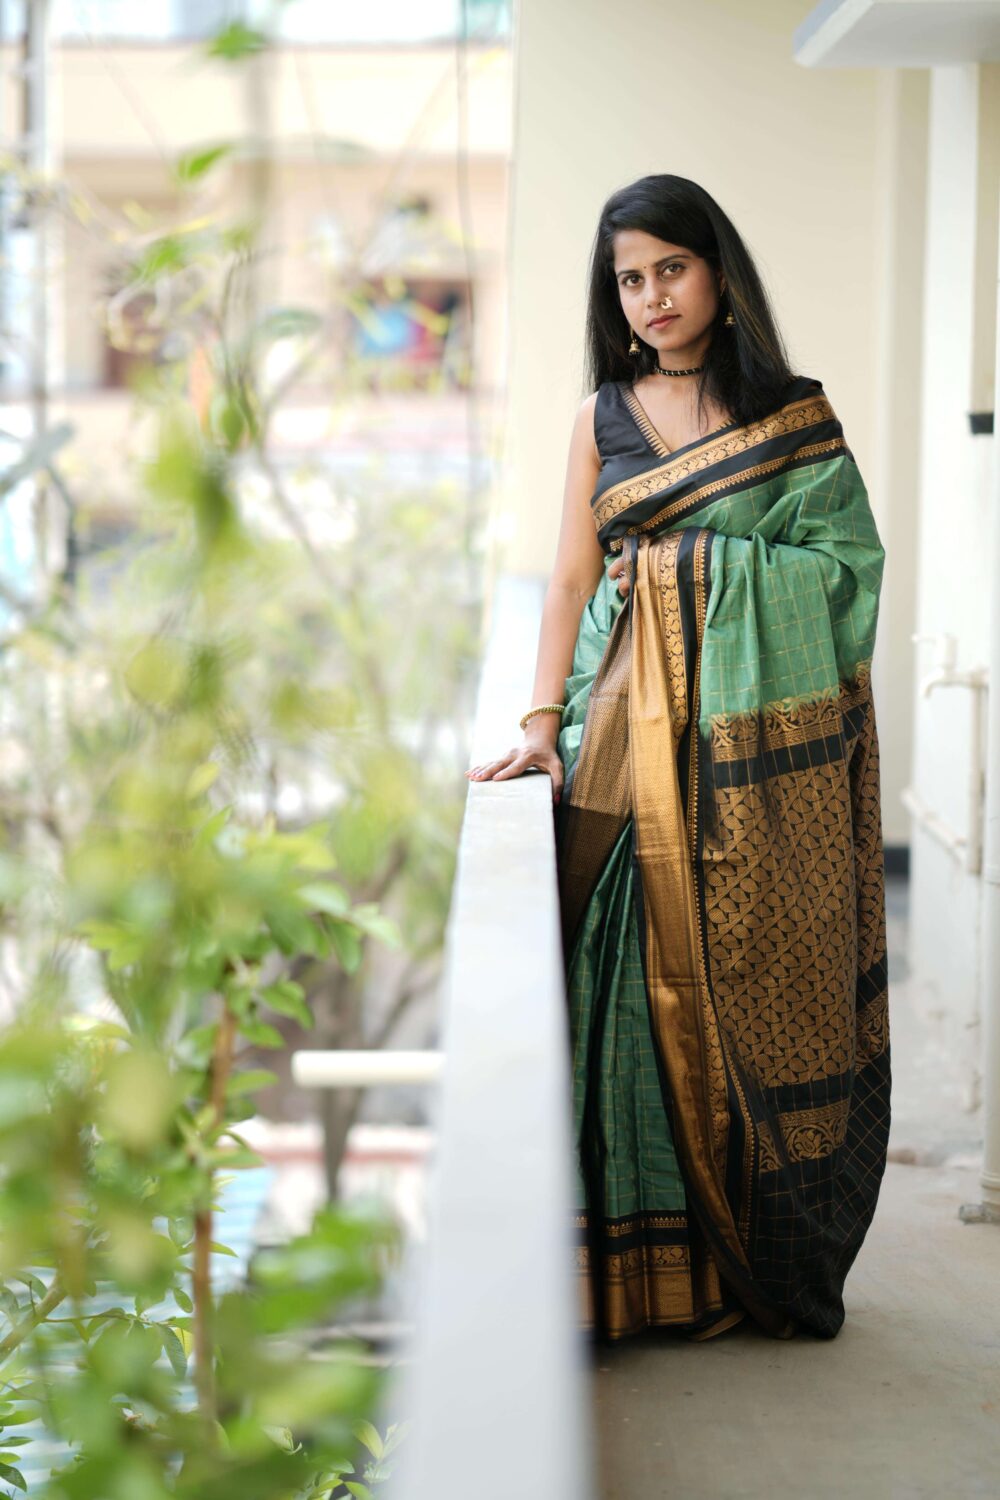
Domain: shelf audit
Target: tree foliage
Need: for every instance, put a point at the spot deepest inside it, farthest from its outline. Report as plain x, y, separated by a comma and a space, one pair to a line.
229, 746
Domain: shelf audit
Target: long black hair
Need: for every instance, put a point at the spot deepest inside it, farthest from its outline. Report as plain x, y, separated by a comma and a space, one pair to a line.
746, 367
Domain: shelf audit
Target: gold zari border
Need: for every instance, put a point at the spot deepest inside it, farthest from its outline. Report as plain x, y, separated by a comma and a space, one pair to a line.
729, 444
679, 1004
648, 1286
873, 1029
784, 722
646, 427
758, 471
807, 1134
617, 1228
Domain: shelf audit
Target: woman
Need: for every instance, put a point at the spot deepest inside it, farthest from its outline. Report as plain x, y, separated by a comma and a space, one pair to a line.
702, 702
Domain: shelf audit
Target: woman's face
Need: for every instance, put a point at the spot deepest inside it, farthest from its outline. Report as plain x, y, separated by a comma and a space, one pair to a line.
648, 271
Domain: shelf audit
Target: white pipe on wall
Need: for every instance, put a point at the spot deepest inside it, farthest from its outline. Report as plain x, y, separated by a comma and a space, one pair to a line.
968, 847
949, 838
365, 1067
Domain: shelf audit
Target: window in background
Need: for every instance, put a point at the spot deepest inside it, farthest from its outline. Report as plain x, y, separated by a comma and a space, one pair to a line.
412, 335
412, 331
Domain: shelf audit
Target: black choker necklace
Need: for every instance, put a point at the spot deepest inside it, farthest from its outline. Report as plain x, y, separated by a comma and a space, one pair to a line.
693, 370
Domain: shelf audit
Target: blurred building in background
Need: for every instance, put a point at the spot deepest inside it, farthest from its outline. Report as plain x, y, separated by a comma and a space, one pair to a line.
385, 145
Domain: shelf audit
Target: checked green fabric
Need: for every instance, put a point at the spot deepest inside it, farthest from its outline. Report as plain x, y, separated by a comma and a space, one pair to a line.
641, 1173
787, 619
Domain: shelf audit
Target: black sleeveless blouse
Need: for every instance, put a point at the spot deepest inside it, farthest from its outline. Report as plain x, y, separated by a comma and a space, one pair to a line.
625, 437
627, 441
616, 429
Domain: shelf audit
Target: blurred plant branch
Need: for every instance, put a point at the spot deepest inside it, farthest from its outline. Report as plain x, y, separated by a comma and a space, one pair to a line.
229, 754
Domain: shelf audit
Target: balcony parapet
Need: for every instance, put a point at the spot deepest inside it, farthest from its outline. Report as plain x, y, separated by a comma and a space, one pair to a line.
495, 1382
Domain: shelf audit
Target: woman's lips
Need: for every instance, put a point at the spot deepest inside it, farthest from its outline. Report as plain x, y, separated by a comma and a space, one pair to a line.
662, 322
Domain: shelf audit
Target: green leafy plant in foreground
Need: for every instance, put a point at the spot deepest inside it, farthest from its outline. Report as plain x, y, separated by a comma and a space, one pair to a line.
119, 1119
162, 912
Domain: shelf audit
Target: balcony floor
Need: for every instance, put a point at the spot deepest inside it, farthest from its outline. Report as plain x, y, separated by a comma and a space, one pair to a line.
904, 1403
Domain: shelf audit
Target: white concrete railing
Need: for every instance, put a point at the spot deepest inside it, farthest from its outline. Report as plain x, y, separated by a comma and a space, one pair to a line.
495, 1381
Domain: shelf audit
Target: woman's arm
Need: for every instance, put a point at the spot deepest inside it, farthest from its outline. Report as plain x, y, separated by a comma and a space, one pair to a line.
576, 572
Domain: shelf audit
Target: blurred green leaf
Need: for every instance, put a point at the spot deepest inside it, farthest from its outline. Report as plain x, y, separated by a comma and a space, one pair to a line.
282, 1437
376, 924
289, 322
261, 1033
326, 897
163, 255
236, 42
174, 1350
201, 778
287, 998
346, 945
252, 1079
193, 165
369, 1435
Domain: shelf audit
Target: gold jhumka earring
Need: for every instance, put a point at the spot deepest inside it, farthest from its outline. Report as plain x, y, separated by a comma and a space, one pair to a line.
728, 321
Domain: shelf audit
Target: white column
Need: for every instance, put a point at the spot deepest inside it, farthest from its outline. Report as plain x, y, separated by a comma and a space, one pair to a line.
990, 1208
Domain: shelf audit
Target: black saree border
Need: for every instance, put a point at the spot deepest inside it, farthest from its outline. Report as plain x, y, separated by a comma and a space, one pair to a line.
802, 432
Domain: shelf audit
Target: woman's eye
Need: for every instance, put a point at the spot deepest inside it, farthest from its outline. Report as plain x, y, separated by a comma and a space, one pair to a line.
675, 265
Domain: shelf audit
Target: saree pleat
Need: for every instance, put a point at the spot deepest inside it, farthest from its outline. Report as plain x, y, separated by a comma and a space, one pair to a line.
721, 884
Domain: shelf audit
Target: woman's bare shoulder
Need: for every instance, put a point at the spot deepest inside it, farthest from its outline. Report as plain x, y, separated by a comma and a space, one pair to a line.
584, 427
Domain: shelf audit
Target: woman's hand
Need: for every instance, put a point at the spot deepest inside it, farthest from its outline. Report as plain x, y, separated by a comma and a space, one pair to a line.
619, 571
532, 754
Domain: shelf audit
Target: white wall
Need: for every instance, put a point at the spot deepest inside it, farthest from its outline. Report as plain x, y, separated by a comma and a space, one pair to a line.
807, 164
900, 150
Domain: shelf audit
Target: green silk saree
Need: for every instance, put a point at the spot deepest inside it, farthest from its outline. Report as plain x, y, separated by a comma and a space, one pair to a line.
719, 847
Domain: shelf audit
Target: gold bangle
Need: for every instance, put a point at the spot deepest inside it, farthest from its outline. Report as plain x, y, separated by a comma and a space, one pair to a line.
542, 708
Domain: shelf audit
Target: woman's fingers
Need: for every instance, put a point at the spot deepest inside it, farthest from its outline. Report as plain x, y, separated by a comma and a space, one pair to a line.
487, 767
516, 766
513, 767
618, 573
516, 763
